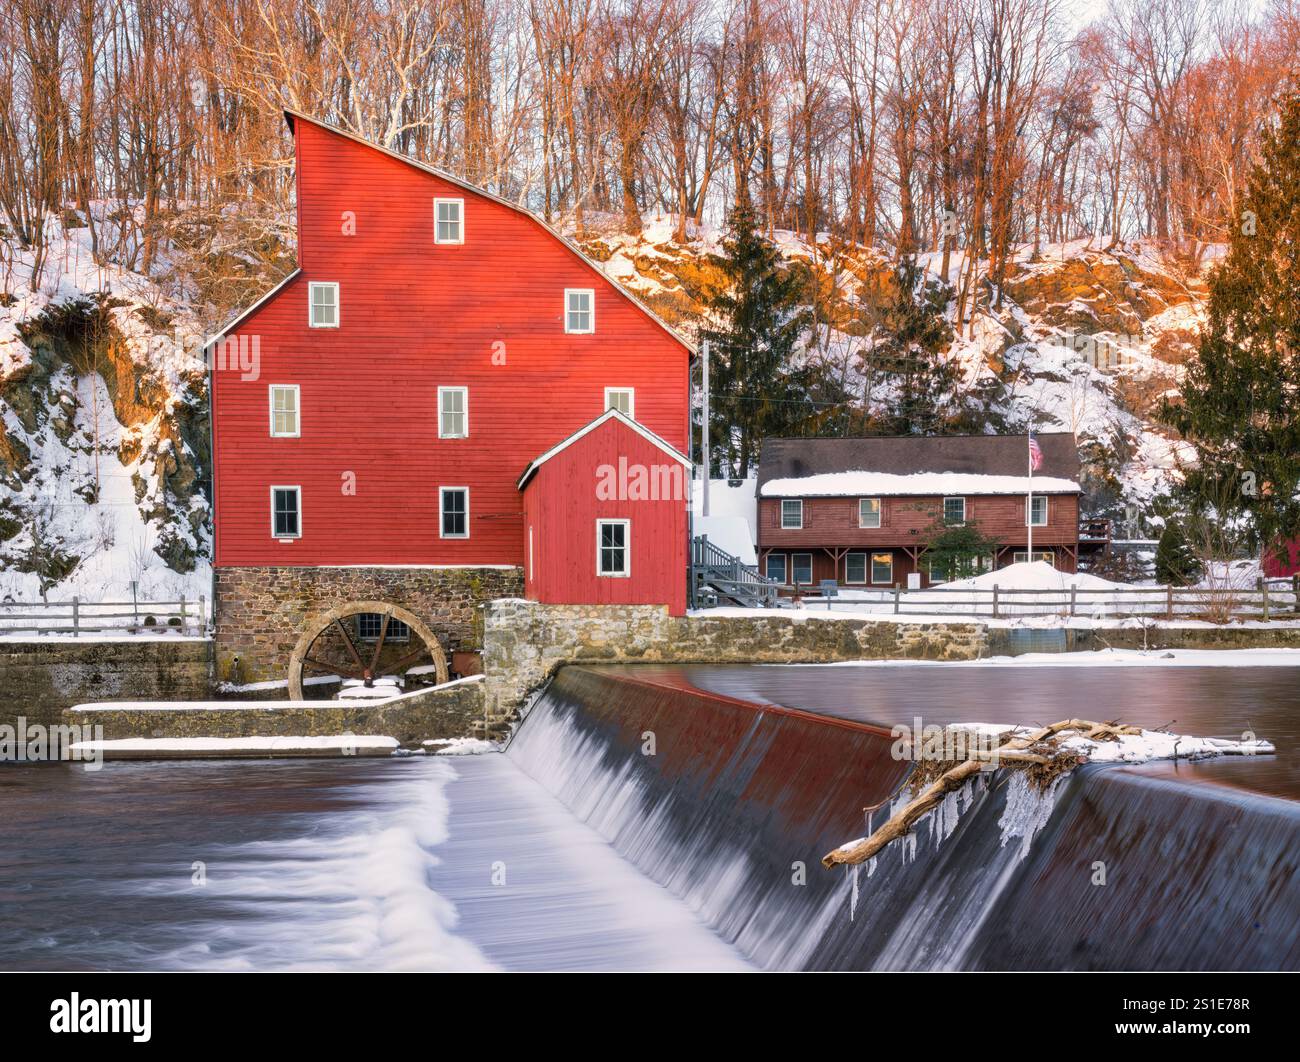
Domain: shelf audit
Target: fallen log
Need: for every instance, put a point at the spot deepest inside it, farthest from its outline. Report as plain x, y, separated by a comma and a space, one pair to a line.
901, 823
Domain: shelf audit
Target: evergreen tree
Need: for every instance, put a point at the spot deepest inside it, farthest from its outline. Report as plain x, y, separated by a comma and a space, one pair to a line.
914, 335
758, 387
1240, 399
1175, 564
957, 551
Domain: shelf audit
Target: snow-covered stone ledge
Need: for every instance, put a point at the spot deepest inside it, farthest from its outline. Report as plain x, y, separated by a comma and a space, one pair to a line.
454, 710
203, 748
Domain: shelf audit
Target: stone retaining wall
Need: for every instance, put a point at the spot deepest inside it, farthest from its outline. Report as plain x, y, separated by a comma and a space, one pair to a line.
260, 612
525, 643
441, 712
1004, 641
38, 679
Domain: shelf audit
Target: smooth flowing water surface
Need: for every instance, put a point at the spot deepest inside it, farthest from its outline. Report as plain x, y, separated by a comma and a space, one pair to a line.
674, 818
1219, 701
424, 864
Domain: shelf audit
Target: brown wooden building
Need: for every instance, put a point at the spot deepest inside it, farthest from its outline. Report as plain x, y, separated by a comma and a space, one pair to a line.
862, 511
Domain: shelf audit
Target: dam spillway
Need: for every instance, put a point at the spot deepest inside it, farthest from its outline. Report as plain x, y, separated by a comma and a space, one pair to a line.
730, 804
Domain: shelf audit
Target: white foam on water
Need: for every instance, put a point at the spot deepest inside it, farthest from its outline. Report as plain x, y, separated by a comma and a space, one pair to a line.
539, 890
709, 875
350, 893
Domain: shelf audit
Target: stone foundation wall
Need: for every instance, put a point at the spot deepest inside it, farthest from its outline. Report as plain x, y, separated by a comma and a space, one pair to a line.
260, 612
441, 712
1174, 637
38, 679
525, 643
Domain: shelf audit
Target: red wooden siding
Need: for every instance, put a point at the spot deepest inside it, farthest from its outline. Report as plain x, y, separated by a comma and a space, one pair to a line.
561, 508
826, 566
415, 315
1283, 560
907, 524
907, 521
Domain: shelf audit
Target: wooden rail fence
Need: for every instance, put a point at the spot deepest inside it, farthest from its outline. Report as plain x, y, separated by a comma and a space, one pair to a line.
77, 617
1268, 600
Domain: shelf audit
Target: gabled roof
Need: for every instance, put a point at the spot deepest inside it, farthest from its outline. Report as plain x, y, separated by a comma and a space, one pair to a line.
609, 414
230, 326
291, 116
996, 458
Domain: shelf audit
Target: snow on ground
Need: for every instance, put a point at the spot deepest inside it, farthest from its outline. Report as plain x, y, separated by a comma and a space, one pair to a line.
111, 535
731, 534
732, 522
814, 610
1034, 575
740, 500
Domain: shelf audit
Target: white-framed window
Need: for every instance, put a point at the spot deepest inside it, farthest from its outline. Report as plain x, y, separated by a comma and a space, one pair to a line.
579, 310
868, 512
1036, 510
286, 512
614, 548
801, 568
623, 399
453, 412
775, 567
370, 624
954, 510
449, 221
791, 514
453, 512
1020, 556
322, 305
882, 568
855, 567
284, 411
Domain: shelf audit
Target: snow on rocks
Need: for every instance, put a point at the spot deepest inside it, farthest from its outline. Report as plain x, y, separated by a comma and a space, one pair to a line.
464, 746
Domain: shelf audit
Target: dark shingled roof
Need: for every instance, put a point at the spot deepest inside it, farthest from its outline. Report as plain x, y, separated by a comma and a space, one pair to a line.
990, 455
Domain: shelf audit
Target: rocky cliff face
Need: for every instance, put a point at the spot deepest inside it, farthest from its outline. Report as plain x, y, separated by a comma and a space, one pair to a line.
104, 459
1085, 338
103, 438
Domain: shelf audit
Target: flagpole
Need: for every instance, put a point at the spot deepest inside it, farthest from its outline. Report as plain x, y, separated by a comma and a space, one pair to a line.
1029, 498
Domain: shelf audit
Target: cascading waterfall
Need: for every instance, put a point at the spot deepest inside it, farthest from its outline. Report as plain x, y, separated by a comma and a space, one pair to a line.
730, 806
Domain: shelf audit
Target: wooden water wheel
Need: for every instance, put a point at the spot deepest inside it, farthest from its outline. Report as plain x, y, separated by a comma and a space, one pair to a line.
332, 645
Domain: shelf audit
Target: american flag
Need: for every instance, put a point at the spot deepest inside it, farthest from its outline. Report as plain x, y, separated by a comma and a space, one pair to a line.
1035, 452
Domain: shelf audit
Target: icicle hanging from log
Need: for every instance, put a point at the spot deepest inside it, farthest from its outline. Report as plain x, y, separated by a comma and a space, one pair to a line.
1013, 751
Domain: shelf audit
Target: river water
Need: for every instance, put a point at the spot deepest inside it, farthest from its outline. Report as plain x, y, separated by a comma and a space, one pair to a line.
432, 864
565, 854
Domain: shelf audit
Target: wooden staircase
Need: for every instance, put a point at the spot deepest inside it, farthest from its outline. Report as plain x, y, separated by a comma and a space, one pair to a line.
719, 578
